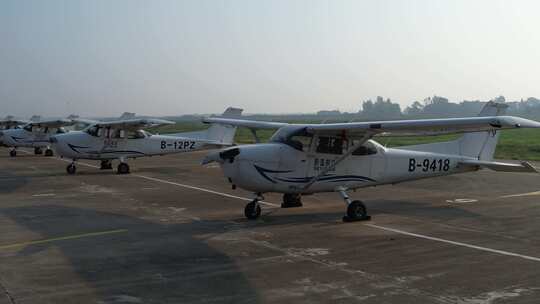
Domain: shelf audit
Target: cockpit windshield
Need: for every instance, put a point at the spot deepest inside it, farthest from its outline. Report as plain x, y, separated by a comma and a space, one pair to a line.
93, 130
293, 136
28, 128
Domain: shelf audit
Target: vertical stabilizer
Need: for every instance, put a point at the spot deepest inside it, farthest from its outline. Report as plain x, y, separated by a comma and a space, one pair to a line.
218, 133
481, 145
224, 133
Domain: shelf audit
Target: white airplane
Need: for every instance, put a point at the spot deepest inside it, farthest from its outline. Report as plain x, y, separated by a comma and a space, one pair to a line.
303, 159
124, 139
35, 134
10, 123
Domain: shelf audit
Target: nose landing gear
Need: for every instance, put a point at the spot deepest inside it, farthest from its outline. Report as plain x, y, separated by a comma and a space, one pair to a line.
253, 209
71, 168
356, 210
38, 151
13, 152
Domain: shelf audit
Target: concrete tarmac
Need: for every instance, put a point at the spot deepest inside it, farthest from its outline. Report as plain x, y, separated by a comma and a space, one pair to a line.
173, 231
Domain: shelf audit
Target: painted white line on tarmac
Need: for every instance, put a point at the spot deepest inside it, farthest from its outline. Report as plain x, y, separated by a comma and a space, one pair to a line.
521, 194
436, 239
176, 184
202, 189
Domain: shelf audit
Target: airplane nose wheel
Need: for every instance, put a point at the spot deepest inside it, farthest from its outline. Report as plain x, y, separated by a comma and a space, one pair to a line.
123, 168
49, 152
71, 169
13, 153
253, 210
37, 151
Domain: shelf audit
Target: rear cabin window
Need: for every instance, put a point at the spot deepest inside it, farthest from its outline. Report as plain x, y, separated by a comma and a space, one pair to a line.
330, 145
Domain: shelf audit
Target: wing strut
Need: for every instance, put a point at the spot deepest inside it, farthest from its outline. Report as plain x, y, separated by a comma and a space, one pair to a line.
254, 132
365, 138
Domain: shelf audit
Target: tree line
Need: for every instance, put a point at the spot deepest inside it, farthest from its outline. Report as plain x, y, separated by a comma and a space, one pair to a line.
435, 107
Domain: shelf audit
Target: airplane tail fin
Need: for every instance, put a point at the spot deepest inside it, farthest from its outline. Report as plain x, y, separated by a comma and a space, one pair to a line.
478, 145
127, 115
35, 118
217, 133
481, 145
223, 133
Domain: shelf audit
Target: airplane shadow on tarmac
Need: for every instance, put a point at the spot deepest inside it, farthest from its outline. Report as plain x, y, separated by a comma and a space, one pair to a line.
150, 263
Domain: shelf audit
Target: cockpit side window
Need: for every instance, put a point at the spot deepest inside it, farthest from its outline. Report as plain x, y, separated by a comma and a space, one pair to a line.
94, 131
28, 128
330, 145
298, 139
61, 130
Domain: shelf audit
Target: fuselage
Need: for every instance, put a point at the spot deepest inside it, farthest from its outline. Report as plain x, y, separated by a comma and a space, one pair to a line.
279, 167
82, 145
27, 138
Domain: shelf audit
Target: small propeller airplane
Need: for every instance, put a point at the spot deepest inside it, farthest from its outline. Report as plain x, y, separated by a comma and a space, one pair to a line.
125, 139
35, 134
10, 123
302, 159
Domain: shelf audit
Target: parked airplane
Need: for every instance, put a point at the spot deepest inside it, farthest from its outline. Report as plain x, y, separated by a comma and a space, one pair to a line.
124, 139
35, 135
303, 159
10, 123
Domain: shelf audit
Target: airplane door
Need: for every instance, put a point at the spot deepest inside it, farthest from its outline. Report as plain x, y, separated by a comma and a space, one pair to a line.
324, 152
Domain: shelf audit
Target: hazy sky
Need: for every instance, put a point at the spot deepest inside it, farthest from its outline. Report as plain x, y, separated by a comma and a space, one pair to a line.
175, 57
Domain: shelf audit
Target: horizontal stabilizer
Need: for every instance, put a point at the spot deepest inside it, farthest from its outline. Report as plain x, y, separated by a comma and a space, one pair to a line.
498, 166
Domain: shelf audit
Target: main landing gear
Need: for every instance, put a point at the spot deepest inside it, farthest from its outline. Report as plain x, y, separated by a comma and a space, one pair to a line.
71, 168
13, 152
253, 209
49, 152
356, 210
106, 165
38, 151
291, 200
123, 168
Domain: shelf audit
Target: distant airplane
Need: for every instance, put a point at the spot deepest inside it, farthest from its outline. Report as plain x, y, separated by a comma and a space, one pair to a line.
34, 134
302, 159
124, 139
10, 123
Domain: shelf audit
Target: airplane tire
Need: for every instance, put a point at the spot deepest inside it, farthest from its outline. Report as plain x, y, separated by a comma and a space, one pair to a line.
13, 153
71, 169
252, 211
356, 211
123, 168
49, 152
37, 151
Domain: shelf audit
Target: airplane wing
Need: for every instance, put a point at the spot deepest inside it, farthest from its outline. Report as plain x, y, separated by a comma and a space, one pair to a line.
499, 166
251, 124
423, 126
56, 123
12, 122
418, 127
134, 124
